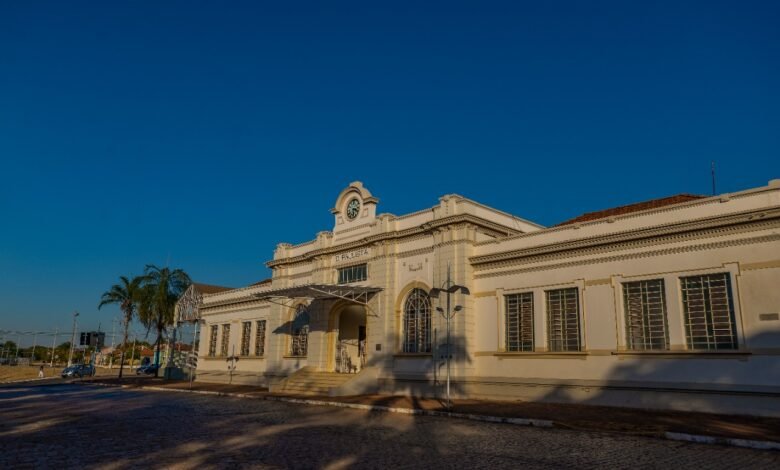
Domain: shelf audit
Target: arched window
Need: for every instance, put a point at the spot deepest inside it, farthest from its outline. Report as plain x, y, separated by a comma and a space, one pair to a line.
299, 332
417, 322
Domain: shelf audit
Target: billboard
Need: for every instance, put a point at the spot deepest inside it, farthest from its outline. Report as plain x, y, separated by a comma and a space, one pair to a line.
93, 339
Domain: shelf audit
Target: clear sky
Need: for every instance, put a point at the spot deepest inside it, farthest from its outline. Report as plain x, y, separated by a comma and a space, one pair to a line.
200, 134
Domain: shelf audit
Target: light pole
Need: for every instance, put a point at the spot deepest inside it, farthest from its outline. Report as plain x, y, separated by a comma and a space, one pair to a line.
194, 360
72, 339
450, 288
53, 345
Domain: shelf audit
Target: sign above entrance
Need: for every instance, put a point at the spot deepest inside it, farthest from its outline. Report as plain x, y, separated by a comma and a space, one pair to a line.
354, 255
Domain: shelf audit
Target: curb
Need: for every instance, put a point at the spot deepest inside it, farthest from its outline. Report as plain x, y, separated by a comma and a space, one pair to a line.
539, 423
725, 441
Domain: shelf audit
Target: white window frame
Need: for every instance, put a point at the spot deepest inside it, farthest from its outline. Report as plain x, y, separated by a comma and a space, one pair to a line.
260, 339
213, 338
580, 318
246, 337
353, 273
521, 297
224, 344
427, 340
675, 311
623, 312
735, 319
302, 336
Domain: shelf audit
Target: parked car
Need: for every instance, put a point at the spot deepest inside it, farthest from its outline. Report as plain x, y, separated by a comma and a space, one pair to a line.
148, 369
78, 370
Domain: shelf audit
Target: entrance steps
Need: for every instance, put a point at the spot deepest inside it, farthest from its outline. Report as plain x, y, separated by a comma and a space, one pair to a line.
308, 381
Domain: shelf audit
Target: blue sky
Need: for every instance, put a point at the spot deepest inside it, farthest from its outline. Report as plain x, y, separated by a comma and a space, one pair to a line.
200, 134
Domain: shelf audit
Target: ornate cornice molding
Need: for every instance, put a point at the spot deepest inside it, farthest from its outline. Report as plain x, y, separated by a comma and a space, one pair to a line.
233, 305
633, 215
643, 254
735, 223
426, 228
357, 227
410, 253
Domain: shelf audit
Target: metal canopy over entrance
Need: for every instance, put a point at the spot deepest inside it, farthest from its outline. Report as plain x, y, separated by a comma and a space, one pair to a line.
357, 294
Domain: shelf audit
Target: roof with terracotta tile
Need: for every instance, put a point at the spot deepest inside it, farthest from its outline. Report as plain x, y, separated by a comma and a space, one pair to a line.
209, 289
636, 207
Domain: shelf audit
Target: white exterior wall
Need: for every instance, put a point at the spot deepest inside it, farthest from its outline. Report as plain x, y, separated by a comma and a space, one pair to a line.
495, 254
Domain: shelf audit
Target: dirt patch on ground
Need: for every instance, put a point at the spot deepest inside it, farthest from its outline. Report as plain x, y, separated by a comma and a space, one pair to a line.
13, 373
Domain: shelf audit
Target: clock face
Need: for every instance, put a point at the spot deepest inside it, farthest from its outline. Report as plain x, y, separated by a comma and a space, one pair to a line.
353, 209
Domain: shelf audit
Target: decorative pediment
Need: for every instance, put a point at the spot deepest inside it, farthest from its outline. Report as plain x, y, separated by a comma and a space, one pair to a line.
354, 206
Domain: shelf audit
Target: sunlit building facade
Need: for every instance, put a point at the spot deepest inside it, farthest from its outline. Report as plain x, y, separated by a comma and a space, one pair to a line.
671, 303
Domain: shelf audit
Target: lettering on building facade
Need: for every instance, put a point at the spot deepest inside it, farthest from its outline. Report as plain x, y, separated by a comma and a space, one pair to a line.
361, 253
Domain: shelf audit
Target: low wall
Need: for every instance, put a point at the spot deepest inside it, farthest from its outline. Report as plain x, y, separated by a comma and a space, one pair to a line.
238, 378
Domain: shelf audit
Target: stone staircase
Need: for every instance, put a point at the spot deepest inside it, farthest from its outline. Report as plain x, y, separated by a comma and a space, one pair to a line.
307, 381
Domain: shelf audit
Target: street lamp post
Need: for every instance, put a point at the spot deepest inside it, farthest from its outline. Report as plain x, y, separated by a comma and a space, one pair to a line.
450, 288
72, 340
193, 360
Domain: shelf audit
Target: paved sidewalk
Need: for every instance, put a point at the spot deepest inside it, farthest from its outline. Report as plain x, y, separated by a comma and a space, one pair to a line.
568, 416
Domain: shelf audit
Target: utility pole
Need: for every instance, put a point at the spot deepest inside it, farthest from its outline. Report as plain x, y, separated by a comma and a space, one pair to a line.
113, 329
449, 288
132, 358
194, 359
35, 343
72, 340
53, 345
93, 359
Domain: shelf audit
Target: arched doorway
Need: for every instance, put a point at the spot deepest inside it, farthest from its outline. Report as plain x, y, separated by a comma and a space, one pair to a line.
350, 347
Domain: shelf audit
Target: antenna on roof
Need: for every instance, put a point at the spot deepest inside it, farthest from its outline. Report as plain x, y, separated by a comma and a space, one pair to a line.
712, 169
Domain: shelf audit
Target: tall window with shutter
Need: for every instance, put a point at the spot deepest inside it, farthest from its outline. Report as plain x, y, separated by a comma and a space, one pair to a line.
709, 312
246, 331
645, 310
417, 322
260, 338
520, 322
299, 332
563, 320
213, 341
225, 339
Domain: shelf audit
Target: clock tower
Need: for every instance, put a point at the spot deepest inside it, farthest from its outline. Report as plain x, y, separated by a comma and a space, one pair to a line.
355, 207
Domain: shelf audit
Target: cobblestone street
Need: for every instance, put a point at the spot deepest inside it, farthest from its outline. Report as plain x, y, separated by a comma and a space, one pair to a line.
72, 426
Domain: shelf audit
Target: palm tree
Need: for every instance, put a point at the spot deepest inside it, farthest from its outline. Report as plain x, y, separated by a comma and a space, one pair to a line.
126, 294
161, 289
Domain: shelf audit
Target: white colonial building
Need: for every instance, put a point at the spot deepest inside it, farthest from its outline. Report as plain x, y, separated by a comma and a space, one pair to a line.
671, 303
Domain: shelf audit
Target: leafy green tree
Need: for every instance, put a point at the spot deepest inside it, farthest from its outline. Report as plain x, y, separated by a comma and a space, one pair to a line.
127, 294
161, 289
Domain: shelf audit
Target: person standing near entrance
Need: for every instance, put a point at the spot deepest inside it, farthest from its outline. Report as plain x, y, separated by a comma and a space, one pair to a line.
40, 372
